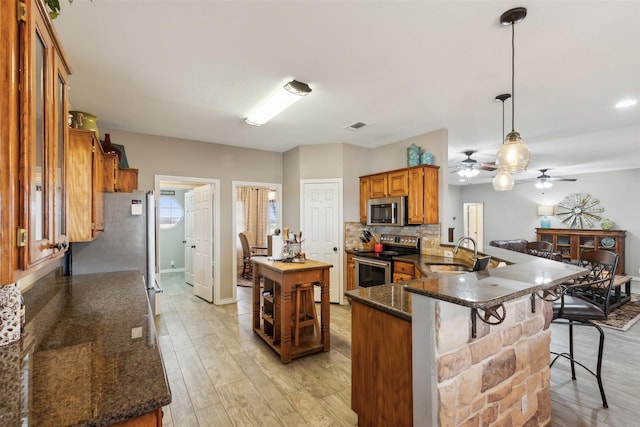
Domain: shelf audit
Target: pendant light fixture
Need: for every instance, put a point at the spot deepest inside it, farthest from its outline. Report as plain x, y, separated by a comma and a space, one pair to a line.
513, 155
503, 181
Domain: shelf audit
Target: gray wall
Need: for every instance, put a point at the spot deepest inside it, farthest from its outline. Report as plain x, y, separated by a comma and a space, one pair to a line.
155, 155
171, 246
512, 214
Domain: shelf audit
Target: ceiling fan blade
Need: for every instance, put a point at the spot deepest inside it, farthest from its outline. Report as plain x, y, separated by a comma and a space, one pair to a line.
486, 167
562, 179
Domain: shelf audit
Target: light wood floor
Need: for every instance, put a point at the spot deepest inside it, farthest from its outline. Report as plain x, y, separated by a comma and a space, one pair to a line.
221, 374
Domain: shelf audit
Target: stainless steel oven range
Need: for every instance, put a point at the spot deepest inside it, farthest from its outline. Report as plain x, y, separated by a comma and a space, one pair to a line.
376, 268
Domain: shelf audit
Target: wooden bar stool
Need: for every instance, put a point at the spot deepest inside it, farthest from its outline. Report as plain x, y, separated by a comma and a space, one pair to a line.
304, 311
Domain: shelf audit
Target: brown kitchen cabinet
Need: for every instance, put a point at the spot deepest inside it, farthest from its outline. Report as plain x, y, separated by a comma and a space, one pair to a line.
351, 272
422, 203
127, 180
398, 183
386, 398
418, 183
388, 184
364, 196
41, 92
110, 172
404, 271
571, 242
378, 186
85, 178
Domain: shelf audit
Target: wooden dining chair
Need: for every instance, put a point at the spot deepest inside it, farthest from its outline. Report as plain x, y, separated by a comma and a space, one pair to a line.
576, 307
247, 253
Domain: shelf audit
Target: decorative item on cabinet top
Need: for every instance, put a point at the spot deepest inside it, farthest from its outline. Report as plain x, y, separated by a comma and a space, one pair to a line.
109, 147
413, 155
82, 120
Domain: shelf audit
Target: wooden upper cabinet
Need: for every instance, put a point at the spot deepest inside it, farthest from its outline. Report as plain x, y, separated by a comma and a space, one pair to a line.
127, 180
110, 172
423, 198
418, 183
398, 183
388, 184
364, 196
378, 186
85, 172
43, 101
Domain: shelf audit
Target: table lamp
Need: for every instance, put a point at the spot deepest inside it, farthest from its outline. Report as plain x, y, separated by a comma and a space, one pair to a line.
544, 210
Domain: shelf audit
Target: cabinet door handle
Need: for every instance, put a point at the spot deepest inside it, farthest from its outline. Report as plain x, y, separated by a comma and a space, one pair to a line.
59, 246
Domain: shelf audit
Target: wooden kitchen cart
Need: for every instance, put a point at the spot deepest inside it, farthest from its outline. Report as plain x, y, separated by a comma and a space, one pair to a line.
273, 305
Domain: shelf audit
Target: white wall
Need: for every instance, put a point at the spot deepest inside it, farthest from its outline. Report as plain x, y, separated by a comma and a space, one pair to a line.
512, 214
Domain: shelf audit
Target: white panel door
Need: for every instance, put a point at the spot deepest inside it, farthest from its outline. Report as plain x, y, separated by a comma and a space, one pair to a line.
321, 229
203, 253
189, 240
474, 223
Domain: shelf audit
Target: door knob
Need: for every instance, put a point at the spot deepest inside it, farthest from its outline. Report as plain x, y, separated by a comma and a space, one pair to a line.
335, 249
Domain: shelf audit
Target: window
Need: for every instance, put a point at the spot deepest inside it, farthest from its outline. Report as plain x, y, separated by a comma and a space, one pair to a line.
171, 212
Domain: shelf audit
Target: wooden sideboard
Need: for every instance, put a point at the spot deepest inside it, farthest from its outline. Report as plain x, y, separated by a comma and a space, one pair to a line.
571, 242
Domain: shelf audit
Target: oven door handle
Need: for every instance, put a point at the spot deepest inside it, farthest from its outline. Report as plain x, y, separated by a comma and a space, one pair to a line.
369, 261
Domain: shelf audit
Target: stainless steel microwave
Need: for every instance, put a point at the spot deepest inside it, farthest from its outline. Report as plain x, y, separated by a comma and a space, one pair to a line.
387, 211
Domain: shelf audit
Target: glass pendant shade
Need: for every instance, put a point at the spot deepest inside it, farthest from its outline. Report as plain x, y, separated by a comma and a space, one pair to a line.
503, 181
513, 155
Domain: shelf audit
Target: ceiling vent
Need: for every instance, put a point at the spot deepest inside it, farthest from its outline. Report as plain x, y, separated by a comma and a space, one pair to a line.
355, 126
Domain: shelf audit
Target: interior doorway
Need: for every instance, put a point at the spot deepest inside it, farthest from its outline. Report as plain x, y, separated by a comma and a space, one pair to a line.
321, 222
249, 198
173, 247
474, 223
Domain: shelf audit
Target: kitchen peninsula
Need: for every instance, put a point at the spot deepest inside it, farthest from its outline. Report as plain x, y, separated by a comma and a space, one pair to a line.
89, 356
453, 377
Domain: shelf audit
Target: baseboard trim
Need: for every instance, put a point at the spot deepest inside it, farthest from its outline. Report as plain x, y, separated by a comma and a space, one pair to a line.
172, 270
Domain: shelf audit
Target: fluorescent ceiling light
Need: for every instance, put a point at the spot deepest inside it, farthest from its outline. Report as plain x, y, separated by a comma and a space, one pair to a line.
277, 102
626, 103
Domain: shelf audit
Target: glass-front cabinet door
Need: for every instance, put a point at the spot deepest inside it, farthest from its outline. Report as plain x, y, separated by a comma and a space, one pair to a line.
43, 110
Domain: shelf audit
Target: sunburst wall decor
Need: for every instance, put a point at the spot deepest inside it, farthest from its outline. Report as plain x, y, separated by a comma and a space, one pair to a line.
579, 210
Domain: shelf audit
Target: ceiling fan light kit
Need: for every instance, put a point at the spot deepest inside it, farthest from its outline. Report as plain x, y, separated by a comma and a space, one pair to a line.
278, 101
513, 156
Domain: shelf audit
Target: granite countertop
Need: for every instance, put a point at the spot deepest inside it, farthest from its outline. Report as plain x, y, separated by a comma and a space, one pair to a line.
89, 355
523, 275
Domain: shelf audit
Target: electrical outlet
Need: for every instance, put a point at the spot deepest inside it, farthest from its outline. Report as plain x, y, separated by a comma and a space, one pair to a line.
136, 333
448, 254
524, 404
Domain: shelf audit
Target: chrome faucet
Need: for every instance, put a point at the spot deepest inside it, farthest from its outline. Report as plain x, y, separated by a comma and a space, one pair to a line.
462, 239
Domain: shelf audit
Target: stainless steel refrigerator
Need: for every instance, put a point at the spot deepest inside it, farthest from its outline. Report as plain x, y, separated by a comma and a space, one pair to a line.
128, 241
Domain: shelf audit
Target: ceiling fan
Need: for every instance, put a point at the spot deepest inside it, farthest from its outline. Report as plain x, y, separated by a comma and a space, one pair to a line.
468, 168
546, 181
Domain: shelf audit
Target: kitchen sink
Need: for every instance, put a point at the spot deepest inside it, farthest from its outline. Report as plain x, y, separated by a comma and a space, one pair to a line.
447, 268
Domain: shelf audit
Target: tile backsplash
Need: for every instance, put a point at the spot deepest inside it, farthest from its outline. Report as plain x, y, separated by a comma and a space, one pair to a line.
429, 235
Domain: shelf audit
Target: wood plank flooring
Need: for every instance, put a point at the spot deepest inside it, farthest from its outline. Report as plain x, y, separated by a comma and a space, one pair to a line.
221, 374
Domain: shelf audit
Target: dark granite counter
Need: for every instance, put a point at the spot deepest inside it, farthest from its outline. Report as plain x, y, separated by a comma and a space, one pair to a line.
89, 355
522, 275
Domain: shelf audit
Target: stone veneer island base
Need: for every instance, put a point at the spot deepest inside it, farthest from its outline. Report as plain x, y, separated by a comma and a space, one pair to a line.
500, 378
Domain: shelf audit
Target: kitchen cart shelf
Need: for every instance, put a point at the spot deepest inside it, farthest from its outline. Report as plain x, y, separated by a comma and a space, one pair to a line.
570, 243
273, 305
